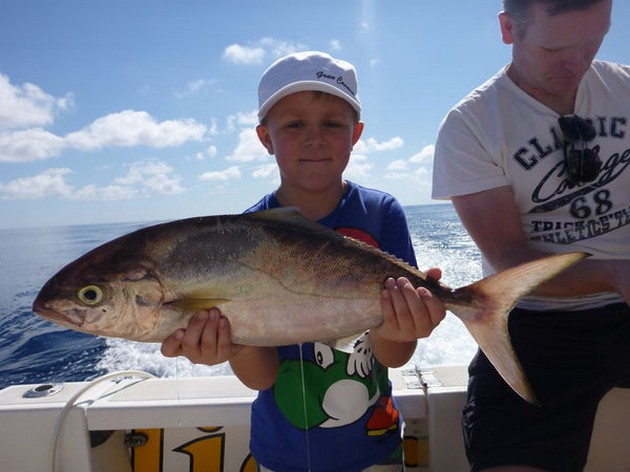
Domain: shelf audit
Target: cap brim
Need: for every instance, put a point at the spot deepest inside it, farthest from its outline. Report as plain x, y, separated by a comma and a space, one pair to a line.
306, 86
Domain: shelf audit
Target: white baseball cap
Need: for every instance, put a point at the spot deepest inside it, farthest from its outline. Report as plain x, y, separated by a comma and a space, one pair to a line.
307, 71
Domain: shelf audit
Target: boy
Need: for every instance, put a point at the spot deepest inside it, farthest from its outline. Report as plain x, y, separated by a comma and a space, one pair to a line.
318, 408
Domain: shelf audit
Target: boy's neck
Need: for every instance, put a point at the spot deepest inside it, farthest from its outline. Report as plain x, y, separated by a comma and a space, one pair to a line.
314, 205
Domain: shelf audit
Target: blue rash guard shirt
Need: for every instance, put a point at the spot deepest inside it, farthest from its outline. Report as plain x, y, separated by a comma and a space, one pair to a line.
349, 419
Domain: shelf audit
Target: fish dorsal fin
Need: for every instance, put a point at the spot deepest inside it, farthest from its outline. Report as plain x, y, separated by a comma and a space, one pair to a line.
291, 217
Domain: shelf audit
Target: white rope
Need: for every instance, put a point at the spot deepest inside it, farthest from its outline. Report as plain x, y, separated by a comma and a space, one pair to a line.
71, 403
306, 424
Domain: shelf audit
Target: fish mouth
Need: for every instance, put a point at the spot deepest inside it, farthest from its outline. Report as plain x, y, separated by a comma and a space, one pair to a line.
53, 315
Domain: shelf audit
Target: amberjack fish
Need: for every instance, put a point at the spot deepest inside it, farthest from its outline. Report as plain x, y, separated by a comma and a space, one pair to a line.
279, 279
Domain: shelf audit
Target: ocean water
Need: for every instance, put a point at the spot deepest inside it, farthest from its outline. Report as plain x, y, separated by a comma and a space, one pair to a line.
33, 350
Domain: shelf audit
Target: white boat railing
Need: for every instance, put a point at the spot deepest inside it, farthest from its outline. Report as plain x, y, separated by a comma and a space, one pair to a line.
127, 423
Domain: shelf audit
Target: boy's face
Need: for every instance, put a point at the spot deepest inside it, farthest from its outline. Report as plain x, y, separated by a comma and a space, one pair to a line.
311, 134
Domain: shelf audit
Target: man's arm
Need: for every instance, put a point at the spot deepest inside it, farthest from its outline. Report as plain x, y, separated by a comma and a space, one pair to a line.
492, 219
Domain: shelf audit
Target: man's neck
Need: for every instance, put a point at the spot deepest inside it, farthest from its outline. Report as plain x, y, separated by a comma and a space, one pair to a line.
563, 104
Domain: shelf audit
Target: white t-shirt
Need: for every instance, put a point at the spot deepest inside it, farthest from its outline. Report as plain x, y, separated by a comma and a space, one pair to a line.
499, 135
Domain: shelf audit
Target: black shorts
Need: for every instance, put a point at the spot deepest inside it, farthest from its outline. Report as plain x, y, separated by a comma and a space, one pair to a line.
572, 359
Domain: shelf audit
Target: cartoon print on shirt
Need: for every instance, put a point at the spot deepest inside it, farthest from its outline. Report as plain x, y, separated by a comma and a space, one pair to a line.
335, 376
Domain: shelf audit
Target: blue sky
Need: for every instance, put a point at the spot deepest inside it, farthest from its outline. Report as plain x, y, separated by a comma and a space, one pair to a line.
142, 110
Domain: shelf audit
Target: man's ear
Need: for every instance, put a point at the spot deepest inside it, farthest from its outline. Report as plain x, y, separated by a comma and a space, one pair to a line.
265, 138
507, 28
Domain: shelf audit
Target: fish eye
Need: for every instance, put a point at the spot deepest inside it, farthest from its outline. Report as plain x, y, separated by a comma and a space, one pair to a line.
90, 295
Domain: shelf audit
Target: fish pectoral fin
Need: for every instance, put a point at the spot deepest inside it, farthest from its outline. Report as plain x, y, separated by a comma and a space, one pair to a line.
487, 317
345, 344
196, 304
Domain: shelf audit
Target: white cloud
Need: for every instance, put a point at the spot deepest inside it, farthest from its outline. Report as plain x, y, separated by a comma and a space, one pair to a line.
242, 119
400, 169
107, 193
211, 152
397, 175
244, 54
28, 105
425, 156
135, 128
29, 145
266, 171
142, 179
422, 172
372, 145
335, 44
193, 87
152, 177
277, 48
397, 165
358, 167
258, 52
248, 148
49, 183
213, 129
230, 173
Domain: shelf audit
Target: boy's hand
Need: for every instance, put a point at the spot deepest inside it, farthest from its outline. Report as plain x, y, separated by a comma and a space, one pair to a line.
409, 313
206, 339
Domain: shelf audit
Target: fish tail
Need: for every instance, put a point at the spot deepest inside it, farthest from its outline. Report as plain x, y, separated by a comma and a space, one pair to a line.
485, 306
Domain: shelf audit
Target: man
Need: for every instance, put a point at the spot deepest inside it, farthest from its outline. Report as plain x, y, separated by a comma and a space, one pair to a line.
536, 161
